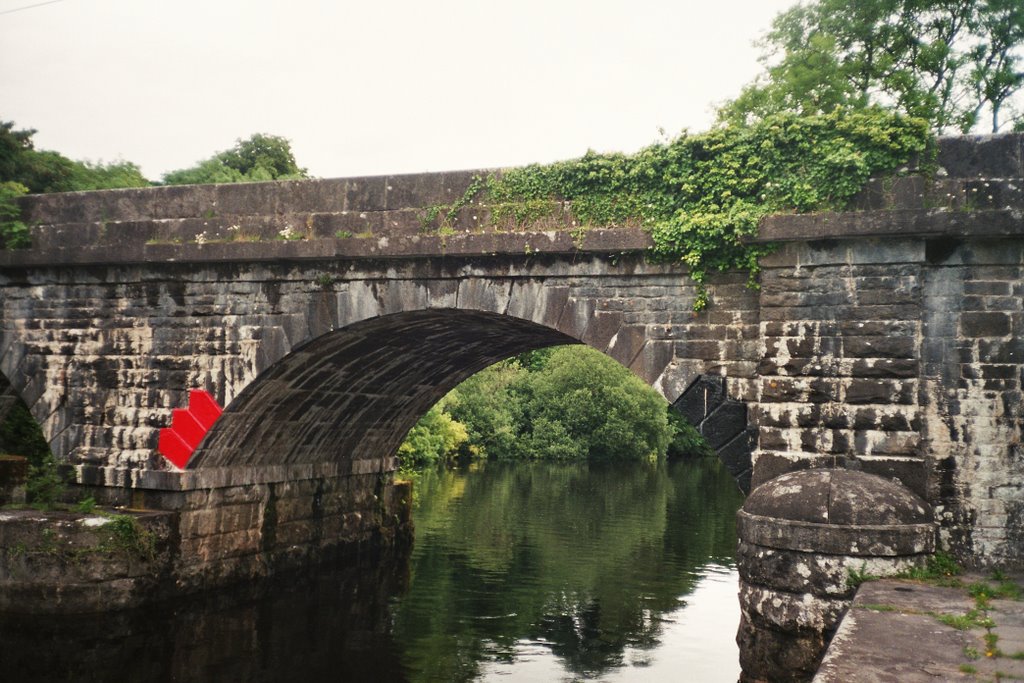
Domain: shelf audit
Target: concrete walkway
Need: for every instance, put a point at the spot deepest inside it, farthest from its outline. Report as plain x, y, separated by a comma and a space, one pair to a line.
903, 631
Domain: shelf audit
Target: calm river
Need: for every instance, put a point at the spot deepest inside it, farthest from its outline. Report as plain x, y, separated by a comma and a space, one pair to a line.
520, 572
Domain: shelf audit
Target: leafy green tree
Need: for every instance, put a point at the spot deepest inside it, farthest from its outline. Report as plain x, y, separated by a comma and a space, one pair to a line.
435, 438
14, 234
584, 403
686, 441
87, 175
565, 403
47, 171
946, 61
997, 73
260, 157
20, 434
489, 405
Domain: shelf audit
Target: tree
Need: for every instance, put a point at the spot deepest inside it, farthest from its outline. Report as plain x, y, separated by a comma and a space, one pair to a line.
260, 157
435, 438
947, 61
47, 171
565, 403
489, 405
586, 404
997, 73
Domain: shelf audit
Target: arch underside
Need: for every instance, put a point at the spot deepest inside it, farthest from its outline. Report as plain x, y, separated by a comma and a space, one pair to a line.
356, 392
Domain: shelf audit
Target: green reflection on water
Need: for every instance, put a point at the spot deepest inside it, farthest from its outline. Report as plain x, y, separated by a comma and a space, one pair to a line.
583, 562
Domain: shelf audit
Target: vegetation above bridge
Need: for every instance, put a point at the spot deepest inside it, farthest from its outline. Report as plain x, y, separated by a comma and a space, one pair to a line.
702, 196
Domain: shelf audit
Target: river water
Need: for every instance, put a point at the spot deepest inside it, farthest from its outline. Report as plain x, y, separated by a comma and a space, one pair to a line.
520, 572
564, 572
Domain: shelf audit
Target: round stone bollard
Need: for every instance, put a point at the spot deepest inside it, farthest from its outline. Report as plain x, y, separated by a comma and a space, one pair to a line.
805, 537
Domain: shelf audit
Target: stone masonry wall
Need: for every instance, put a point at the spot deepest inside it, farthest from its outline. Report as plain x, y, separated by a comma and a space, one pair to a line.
839, 375
902, 358
208, 534
101, 354
891, 343
973, 369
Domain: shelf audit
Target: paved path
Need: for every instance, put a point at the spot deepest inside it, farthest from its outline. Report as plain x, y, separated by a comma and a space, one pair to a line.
905, 632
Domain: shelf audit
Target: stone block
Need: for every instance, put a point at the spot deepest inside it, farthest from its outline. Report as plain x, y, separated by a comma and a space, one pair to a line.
977, 324
702, 397
724, 423
791, 612
985, 157
768, 654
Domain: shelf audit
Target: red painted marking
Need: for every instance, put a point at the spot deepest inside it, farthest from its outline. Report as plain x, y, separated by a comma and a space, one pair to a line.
188, 427
174, 449
203, 407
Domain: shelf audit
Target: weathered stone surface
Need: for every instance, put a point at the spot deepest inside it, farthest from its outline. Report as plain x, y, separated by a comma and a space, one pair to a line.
62, 563
816, 573
791, 612
769, 655
65, 563
840, 497
898, 611
801, 536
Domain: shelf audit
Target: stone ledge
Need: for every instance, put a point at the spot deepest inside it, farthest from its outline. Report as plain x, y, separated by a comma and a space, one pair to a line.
895, 223
224, 477
369, 193
889, 613
595, 241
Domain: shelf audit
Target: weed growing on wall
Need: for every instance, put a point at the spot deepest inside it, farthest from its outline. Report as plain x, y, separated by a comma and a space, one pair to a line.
702, 196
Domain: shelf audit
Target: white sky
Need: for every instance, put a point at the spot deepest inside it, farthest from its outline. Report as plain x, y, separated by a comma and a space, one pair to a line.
371, 87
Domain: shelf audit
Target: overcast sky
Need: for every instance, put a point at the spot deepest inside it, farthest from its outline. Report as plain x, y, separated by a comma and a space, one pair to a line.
371, 87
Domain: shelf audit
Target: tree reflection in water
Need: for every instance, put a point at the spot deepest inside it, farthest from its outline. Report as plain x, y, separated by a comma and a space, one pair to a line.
582, 562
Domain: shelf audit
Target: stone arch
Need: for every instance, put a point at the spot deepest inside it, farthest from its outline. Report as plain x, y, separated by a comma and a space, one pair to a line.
354, 393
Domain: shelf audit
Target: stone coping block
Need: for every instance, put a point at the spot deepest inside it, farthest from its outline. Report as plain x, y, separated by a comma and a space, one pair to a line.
595, 241
224, 477
874, 540
1004, 222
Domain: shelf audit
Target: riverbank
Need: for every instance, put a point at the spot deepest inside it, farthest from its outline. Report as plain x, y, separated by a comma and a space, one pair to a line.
970, 629
203, 538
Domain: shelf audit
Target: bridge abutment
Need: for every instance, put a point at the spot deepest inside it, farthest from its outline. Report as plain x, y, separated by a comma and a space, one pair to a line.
201, 531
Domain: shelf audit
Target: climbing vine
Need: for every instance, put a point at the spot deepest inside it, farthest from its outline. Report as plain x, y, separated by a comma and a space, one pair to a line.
702, 196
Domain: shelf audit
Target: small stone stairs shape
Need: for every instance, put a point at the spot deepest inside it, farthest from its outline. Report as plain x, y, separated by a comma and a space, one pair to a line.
188, 427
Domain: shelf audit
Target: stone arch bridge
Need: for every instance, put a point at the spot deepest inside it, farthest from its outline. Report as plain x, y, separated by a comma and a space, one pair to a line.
326, 320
